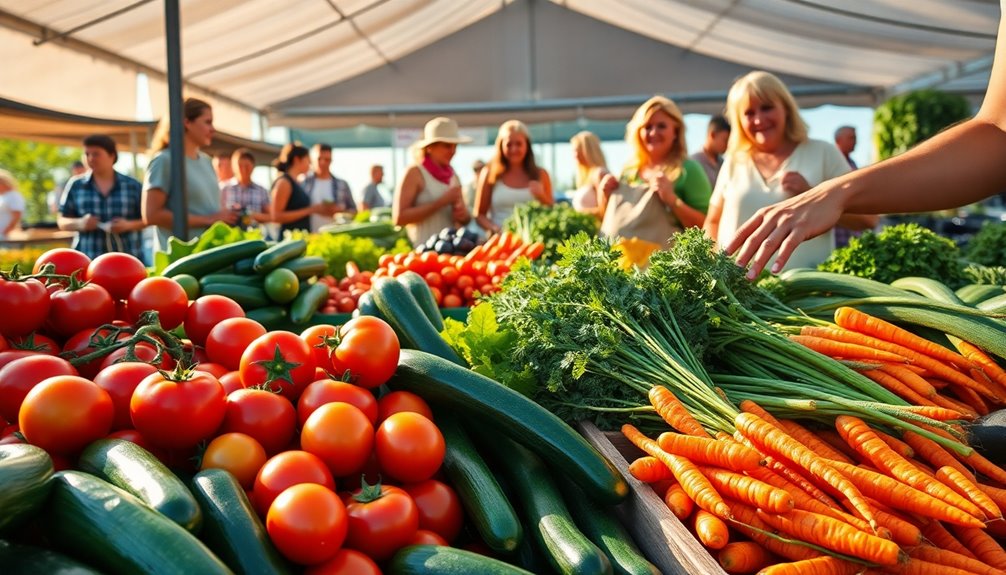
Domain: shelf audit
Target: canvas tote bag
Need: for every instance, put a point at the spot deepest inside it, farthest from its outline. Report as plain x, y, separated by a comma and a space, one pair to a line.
637, 212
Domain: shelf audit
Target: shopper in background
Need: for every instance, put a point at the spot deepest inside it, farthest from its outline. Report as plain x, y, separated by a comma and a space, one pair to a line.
243, 195
511, 178
591, 167
372, 196
223, 166
290, 205
324, 188
11, 205
710, 157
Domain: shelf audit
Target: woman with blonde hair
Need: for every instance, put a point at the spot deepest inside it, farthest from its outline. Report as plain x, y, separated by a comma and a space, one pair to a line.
201, 187
428, 198
770, 158
590, 168
660, 191
512, 177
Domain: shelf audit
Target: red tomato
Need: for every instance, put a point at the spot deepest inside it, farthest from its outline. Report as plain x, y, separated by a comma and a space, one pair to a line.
231, 381
438, 296
66, 260
433, 279
464, 281
325, 391
265, 416
368, 350
284, 470
36, 342
382, 519
144, 352
341, 435
63, 414
307, 523
345, 304
228, 340
71, 310
159, 294
449, 275
18, 377
89, 340
215, 369
206, 312
24, 306
410, 448
451, 300
238, 453
117, 272
440, 508
15, 354
315, 337
178, 414
120, 380
425, 537
346, 562
281, 360
399, 401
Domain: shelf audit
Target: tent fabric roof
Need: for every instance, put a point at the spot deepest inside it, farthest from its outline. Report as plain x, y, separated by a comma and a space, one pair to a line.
399, 61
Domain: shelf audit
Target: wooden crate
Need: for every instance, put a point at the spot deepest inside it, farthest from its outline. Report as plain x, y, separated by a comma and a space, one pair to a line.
664, 540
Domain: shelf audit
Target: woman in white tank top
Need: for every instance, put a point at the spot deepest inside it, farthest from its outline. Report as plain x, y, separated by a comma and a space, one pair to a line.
511, 178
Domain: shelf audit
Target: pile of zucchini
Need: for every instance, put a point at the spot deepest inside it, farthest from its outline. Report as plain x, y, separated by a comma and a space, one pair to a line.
275, 283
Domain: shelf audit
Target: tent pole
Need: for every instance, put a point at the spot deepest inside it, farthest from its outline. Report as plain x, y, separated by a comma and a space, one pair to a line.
133, 150
178, 194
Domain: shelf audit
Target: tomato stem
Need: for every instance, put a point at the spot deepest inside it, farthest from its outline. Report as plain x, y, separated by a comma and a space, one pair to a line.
105, 340
368, 493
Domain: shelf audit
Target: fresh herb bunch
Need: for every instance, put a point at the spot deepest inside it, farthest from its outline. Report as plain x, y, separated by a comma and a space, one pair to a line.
339, 249
988, 246
899, 251
550, 225
218, 234
985, 275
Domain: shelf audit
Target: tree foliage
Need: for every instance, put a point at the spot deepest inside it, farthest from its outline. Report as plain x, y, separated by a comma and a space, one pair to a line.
908, 119
38, 167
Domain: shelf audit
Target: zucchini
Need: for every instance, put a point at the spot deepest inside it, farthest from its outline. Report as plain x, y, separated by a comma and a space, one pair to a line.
360, 229
810, 282
484, 501
117, 533
307, 302
271, 317
604, 530
928, 287
441, 560
410, 323
234, 279
974, 294
546, 516
272, 257
995, 304
420, 290
245, 266
214, 259
306, 267
366, 306
498, 407
232, 530
247, 296
986, 333
132, 468
29, 560
25, 474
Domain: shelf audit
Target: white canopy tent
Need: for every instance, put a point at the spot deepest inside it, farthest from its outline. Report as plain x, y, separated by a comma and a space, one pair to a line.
339, 63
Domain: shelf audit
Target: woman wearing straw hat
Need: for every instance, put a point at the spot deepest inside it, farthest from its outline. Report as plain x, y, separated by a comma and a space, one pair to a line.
428, 199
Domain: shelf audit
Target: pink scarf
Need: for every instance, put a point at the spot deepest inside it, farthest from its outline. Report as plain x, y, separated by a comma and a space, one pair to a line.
440, 173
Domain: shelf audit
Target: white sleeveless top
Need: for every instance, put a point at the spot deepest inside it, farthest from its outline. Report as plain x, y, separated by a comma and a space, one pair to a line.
505, 199
433, 188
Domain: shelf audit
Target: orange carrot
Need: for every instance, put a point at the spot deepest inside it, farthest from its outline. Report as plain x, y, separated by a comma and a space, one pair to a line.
801, 500
842, 350
997, 494
746, 517
851, 318
951, 559
534, 250
903, 532
935, 381
939, 413
687, 474
982, 545
919, 567
711, 530
937, 534
902, 448
680, 504
981, 360
811, 441
834, 535
674, 412
792, 476
860, 437
649, 470
900, 496
826, 565
951, 403
832, 438
661, 487
775, 442
965, 485
977, 461
748, 490
916, 382
710, 451
749, 406
897, 387
934, 453
743, 557
970, 397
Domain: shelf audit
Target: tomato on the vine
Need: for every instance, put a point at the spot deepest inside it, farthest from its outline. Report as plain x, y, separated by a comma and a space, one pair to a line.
76, 307
18, 377
228, 339
409, 447
368, 350
382, 519
178, 410
206, 312
307, 523
238, 453
284, 470
439, 507
24, 306
144, 353
36, 342
159, 294
341, 435
281, 360
63, 414
427, 537
117, 272
67, 261
89, 340
399, 401
315, 337
263, 415
324, 391
120, 380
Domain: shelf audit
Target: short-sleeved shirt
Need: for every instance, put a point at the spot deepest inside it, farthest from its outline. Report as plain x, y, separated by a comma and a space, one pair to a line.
372, 196
81, 196
692, 186
712, 169
253, 197
744, 191
10, 202
201, 182
331, 189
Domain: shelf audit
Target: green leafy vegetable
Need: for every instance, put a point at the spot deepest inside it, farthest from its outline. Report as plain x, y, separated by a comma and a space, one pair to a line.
338, 249
218, 234
988, 246
488, 349
550, 225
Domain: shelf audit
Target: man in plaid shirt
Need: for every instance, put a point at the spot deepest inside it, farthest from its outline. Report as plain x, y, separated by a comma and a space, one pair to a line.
102, 205
241, 193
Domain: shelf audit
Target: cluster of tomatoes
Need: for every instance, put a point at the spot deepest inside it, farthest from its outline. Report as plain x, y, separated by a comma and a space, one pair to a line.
343, 294
454, 280
338, 474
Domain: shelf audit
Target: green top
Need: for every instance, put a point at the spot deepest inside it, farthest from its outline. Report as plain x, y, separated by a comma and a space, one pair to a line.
692, 187
201, 183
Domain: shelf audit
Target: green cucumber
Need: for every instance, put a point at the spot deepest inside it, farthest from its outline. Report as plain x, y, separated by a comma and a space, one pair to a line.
440, 560
284, 251
307, 302
995, 304
247, 296
541, 506
235, 279
487, 506
25, 474
973, 294
231, 528
366, 306
928, 287
245, 266
29, 560
405, 315
214, 259
132, 468
424, 297
492, 404
271, 317
360, 229
306, 267
119, 534
604, 530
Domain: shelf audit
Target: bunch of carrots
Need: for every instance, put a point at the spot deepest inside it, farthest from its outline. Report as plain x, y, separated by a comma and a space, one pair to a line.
781, 497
